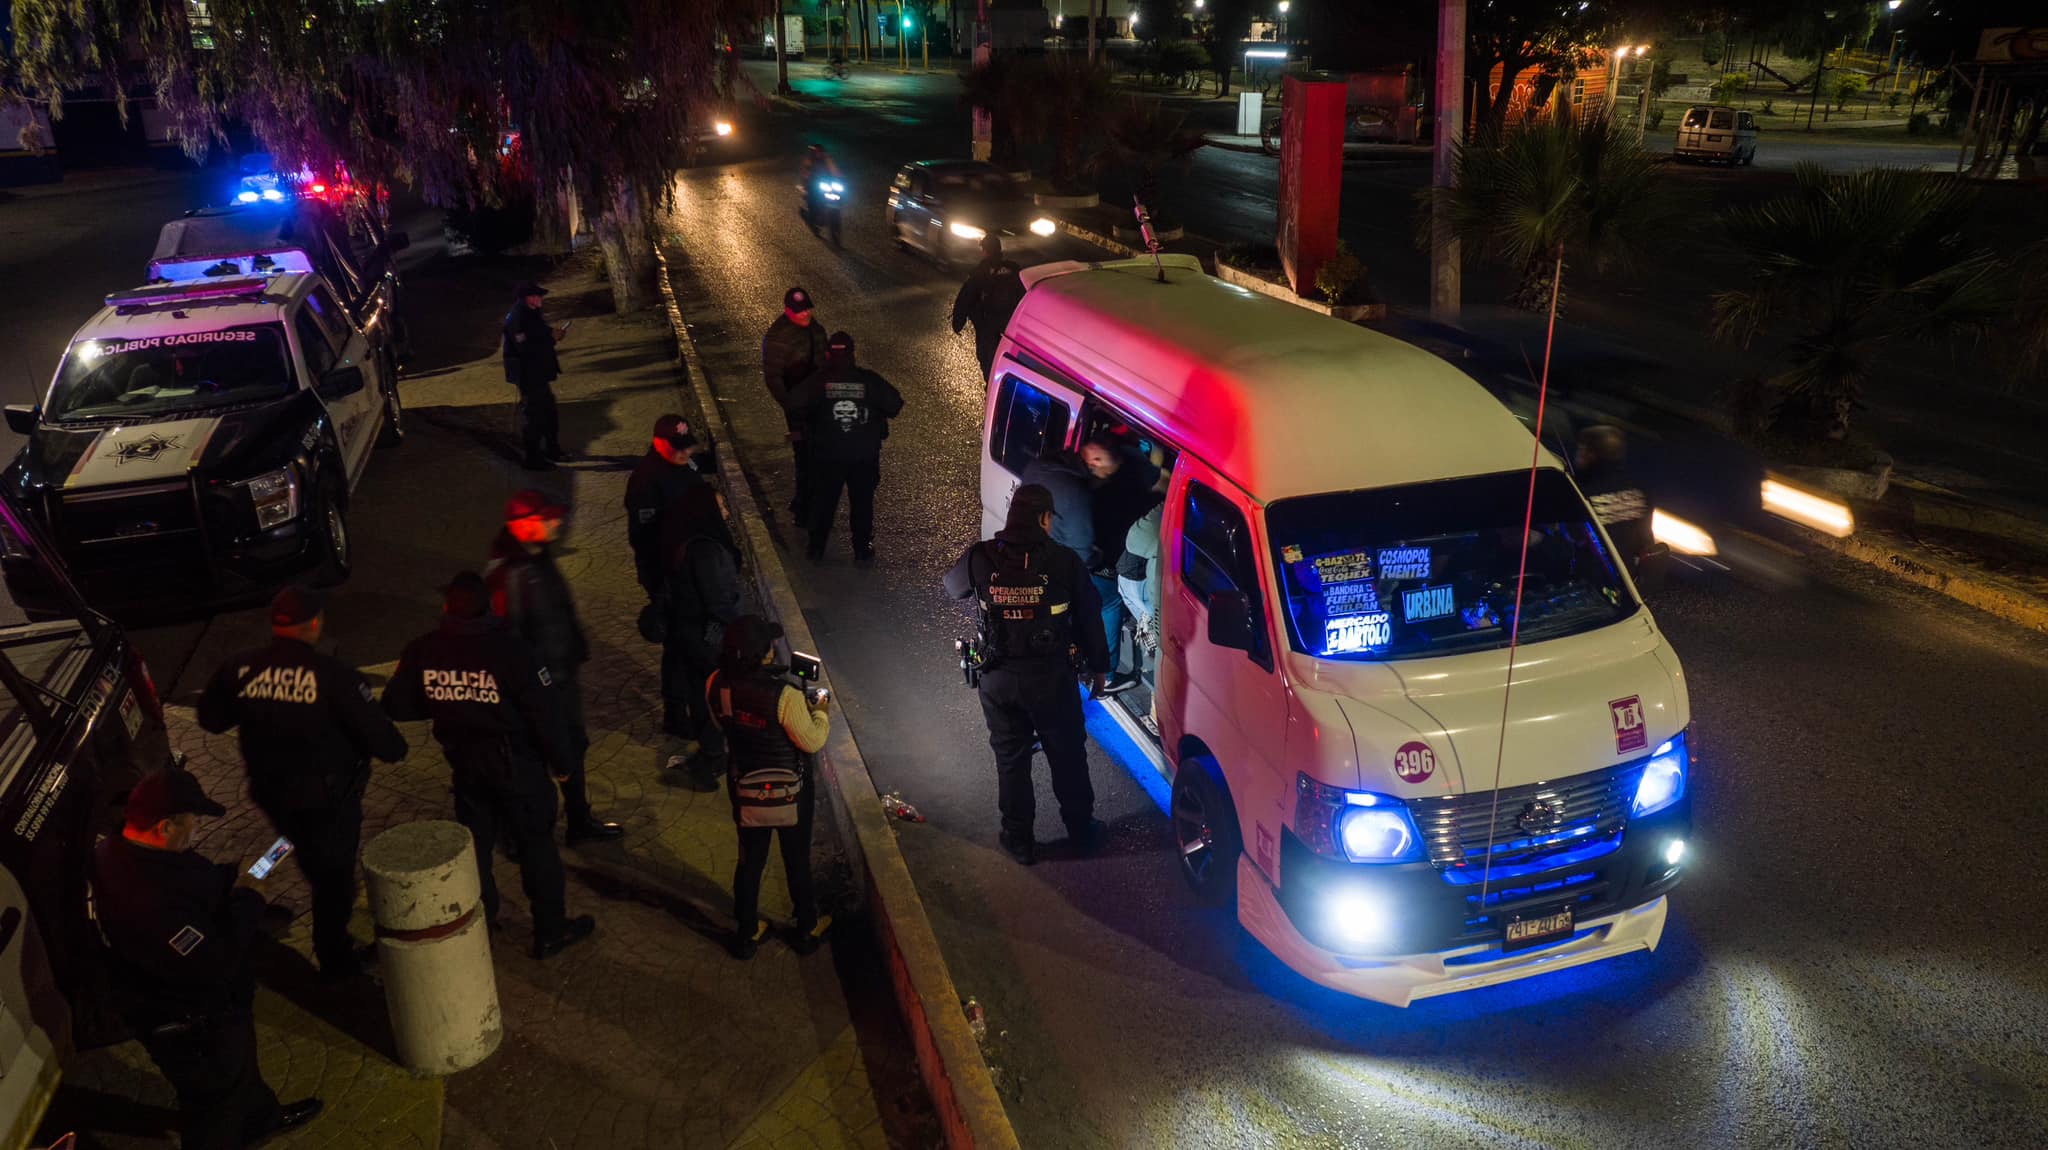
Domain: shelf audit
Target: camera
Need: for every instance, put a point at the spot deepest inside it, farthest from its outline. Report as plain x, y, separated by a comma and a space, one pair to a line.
809, 668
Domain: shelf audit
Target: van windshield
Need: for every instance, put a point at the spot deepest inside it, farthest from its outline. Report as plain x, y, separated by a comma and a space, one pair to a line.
166, 374
1429, 569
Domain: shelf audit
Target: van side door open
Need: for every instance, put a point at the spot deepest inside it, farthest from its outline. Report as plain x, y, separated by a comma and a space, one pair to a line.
1227, 695
1029, 417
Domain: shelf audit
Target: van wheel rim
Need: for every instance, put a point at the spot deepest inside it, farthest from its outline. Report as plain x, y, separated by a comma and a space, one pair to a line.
1191, 831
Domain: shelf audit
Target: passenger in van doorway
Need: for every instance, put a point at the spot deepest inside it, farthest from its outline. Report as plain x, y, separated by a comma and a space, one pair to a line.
1125, 483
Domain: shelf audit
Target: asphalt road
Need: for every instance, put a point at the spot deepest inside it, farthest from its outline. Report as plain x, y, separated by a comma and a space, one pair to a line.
1854, 960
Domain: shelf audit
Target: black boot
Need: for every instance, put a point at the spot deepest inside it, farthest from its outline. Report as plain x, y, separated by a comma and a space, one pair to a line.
567, 935
588, 829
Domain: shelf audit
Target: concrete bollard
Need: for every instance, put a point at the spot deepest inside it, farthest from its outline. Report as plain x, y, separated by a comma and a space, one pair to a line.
433, 946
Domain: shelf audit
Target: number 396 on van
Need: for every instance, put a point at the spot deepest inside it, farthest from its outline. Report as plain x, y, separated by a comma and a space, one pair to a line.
1344, 523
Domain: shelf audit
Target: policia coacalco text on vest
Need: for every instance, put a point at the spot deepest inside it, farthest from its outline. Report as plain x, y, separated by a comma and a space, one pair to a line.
501, 720
309, 727
1037, 608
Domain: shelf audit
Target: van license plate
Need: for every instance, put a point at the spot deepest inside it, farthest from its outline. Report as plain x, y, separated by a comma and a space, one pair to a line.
1536, 930
1713, 139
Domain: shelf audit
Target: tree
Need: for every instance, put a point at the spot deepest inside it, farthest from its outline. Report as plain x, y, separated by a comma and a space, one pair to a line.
1844, 264
1230, 21
1582, 187
600, 94
1003, 89
1070, 94
1143, 135
1519, 35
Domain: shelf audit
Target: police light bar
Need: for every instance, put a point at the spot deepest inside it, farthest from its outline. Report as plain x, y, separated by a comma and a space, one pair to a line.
245, 264
181, 292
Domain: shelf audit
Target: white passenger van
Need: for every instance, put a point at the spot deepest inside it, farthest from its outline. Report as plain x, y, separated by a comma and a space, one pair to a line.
1712, 133
1339, 546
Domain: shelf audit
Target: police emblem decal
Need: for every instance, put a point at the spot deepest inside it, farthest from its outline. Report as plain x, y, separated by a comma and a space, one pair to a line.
146, 448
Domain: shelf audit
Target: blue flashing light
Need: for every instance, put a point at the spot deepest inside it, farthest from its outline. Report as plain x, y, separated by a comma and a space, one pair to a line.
273, 195
246, 197
1663, 780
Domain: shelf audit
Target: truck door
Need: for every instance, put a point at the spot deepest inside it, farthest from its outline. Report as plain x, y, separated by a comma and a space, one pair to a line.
350, 383
1028, 418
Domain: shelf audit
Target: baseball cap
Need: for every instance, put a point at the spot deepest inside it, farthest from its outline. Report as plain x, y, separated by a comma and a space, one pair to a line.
465, 596
165, 792
749, 638
840, 341
528, 288
676, 430
1030, 501
295, 605
796, 299
531, 504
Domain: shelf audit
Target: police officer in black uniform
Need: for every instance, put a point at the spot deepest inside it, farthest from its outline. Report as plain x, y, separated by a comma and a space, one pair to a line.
844, 411
989, 297
529, 593
180, 930
663, 475
309, 727
499, 718
532, 366
1038, 606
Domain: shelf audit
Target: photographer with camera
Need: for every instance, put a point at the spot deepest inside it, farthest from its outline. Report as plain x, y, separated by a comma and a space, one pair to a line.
1038, 607
772, 729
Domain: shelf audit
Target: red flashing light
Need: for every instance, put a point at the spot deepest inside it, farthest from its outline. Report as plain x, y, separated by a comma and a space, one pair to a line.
319, 188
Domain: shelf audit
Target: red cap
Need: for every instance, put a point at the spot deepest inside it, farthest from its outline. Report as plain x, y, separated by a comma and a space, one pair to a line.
531, 504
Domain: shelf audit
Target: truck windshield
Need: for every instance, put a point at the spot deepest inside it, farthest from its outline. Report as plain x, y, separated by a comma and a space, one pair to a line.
1429, 569
154, 376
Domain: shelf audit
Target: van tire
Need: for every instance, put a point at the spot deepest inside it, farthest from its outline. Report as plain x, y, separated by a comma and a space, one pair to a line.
1205, 833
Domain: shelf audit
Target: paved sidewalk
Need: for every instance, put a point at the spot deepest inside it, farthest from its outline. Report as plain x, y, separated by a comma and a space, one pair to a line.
650, 1035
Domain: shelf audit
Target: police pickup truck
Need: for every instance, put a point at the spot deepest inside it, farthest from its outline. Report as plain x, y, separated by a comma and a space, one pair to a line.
201, 440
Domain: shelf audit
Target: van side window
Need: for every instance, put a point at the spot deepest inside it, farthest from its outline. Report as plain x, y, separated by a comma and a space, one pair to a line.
1028, 422
1216, 554
1722, 120
330, 315
1099, 421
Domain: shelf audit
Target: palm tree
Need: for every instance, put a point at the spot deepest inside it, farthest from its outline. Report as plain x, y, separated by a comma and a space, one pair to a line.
1579, 188
1143, 135
1004, 89
1070, 94
1843, 264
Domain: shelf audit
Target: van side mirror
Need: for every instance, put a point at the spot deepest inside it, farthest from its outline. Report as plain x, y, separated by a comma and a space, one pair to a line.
1230, 620
23, 417
341, 383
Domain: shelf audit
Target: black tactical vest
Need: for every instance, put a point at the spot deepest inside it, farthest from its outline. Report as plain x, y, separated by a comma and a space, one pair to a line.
1024, 613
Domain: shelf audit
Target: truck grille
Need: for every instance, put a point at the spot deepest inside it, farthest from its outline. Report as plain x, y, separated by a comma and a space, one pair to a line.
149, 523
1565, 821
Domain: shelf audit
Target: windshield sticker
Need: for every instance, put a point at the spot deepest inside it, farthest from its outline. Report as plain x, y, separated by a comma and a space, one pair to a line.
1291, 553
1345, 567
1353, 633
1404, 562
114, 347
1414, 762
1631, 733
1427, 603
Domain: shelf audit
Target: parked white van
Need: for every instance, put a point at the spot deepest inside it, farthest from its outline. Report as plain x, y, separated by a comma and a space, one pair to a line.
1713, 133
1339, 549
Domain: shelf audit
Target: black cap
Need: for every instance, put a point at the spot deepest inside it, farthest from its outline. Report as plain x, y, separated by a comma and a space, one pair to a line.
166, 792
529, 288
992, 245
840, 341
796, 299
748, 639
1029, 502
465, 596
295, 605
529, 503
675, 430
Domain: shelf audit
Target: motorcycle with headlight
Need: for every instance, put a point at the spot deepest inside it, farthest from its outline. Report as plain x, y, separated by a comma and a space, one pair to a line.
823, 200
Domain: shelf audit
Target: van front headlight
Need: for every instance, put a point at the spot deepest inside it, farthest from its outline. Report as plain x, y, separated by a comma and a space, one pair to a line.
275, 496
1355, 826
1663, 781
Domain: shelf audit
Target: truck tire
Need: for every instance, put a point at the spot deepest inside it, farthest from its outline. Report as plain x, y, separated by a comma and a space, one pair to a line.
1205, 832
330, 520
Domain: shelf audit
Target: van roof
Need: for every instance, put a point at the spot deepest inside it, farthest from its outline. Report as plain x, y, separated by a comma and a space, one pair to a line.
1282, 400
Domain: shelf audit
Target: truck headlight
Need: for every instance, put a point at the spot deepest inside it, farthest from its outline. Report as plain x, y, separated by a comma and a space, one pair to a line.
1356, 826
1663, 780
275, 496
1043, 226
965, 231
722, 127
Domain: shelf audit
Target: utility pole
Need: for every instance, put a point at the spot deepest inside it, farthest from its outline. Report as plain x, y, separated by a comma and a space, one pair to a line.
1091, 31
1446, 287
781, 58
984, 122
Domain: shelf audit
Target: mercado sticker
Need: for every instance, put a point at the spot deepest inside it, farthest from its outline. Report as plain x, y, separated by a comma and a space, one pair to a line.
1427, 603
1353, 633
1404, 562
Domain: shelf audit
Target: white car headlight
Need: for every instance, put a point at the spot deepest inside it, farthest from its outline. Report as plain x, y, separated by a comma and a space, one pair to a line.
1043, 227
722, 127
275, 495
1663, 780
965, 231
1375, 834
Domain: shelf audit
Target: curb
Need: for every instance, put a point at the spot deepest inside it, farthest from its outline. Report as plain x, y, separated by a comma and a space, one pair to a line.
1351, 313
948, 1057
1910, 565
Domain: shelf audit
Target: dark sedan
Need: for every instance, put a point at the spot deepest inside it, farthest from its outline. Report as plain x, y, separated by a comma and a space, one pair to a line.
945, 207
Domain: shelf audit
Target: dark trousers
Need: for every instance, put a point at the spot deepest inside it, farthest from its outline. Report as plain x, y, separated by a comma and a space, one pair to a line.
1040, 705
575, 792
858, 478
500, 797
986, 341
796, 866
687, 660
223, 1102
325, 842
800, 457
540, 426
1112, 617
